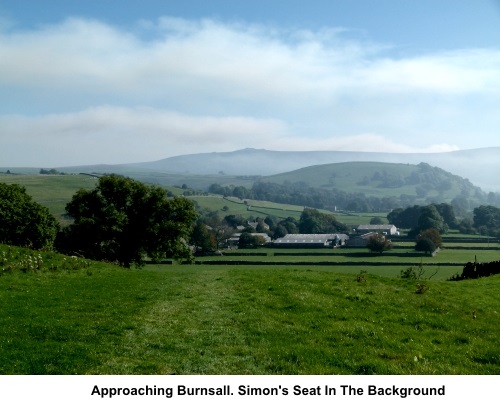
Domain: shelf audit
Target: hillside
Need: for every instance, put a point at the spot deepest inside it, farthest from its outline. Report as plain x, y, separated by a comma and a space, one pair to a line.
363, 187
382, 180
354, 186
480, 166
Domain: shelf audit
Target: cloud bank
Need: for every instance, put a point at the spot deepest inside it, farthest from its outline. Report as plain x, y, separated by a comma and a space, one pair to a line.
84, 91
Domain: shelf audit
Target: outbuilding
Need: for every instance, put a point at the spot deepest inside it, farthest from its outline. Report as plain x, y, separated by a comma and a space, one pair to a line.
302, 240
387, 229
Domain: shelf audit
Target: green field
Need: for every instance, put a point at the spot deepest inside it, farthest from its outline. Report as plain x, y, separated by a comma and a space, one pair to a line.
287, 311
51, 191
71, 316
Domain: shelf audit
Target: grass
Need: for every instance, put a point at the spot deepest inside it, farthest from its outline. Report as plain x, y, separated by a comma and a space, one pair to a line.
71, 316
52, 191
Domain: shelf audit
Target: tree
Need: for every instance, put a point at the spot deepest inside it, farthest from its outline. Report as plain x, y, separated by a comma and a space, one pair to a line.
487, 220
123, 220
376, 221
312, 221
431, 218
379, 243
448, 213
428, 241
202, 239
24, 222
405, 218
247, 240
425, 244
220, 228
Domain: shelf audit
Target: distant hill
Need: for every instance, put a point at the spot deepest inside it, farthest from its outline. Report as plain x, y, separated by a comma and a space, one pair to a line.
480, 166
416, 183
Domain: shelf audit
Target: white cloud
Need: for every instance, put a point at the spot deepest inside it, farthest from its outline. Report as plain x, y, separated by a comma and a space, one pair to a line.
359, 143
245, 60
120, 135
212, 85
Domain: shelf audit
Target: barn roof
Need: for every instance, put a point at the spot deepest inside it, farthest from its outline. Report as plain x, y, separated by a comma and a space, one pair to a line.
310, 238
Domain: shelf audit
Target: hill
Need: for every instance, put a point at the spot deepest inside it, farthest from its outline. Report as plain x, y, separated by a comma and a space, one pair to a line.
422, 181
354, 186
480, 166
364, 186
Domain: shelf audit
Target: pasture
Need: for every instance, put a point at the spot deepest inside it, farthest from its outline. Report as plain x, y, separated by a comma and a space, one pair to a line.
72, 316
285, 311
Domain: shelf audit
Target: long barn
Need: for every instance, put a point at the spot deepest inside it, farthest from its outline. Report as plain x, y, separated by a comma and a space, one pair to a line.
319, 240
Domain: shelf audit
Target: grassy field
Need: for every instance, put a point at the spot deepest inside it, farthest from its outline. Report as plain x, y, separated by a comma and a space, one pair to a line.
62, 315
51, 191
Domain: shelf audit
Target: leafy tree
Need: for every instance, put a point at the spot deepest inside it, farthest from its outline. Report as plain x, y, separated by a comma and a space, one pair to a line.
379, 243
235, 220
220, 228
123, 220
487, 220
433, 235
376, 221
405, 218
247, 240
202, 239
431, 218
290, 224
280, 231
448, 213
24, 222
428, 241
425, 244
312, 221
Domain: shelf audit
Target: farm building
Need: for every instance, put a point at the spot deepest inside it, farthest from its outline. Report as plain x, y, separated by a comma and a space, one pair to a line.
298, 240
387, 229
361, 240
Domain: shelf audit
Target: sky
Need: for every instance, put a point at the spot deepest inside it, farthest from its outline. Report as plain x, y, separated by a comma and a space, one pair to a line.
91, 82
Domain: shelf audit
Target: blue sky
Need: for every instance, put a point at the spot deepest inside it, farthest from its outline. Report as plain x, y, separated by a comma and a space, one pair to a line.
85, 82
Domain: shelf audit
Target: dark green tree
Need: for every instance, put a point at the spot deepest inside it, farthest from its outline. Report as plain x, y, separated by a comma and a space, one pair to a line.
247, 240
487, 220
124, 221
24, 222
405, 218
312, 221
431, 218
448, 213
376, 221
425, 244
428, 241
203, 239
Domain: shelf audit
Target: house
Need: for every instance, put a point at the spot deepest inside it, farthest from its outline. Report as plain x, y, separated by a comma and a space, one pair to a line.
299, 240
361, 240
385, 229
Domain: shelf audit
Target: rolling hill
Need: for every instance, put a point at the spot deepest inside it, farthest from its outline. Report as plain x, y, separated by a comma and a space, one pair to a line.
480, 166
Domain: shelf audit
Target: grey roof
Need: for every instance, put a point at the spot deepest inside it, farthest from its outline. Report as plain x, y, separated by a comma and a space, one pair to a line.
310, 238
375, 227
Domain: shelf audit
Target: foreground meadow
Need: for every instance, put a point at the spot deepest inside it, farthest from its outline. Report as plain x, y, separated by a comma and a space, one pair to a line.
70, 316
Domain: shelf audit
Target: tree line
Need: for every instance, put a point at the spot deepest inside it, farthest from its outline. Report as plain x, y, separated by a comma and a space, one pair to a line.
485, 219
300, 193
